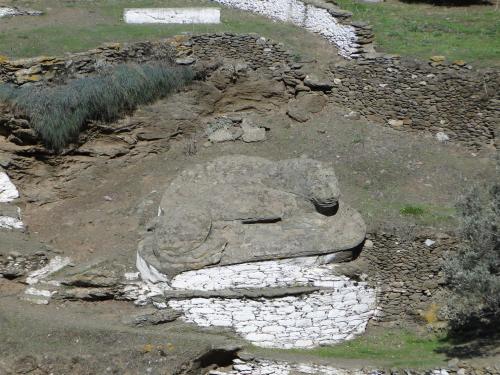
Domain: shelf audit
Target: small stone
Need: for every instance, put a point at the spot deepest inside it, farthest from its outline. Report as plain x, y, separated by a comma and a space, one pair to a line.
437, 58
442, 137
368, 244
185, 61
396, 123
316, 84
428, 242
353, 115
221, 135
254, 135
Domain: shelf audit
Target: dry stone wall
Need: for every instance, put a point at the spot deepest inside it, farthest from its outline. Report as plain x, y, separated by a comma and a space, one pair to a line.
339, 311
414, 96
253, 50
407, 273
46, 69
405, 94
319, 318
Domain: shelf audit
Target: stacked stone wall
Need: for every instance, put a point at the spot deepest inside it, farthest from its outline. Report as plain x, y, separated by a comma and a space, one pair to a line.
255, 51
49, 69
405, 94
407, 273
334, 308
414, 96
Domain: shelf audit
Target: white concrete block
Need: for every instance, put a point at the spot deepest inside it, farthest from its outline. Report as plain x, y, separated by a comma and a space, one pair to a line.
172, 15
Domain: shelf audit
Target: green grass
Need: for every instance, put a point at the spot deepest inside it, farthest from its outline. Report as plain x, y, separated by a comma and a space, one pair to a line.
89, 24
389, 348
412, 210
59, 113
422, 30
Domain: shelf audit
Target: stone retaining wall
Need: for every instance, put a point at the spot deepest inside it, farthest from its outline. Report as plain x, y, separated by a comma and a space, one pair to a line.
251, 49
47, 69
337, 312
404, 94
407, 273
394, 281
414, 96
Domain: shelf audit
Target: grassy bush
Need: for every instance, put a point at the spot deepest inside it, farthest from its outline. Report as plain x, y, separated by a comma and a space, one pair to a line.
473, 273
59, 113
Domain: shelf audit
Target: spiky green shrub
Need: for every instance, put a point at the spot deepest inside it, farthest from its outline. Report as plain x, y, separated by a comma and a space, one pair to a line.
473, 273
59, 113
7, 93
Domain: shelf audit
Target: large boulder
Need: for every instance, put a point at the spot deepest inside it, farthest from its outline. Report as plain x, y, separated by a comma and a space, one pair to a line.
239, 209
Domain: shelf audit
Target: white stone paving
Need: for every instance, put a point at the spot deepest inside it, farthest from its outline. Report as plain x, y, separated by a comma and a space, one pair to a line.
319, 318
268, 367
326, 317
312, 18
304, 271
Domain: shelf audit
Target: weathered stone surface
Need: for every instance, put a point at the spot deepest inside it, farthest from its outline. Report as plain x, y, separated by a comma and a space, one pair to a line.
305, 105
316, 84
240, 209
253, 134
152, 316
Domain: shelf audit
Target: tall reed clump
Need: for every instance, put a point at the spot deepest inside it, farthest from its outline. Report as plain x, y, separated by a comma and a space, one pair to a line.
59, 113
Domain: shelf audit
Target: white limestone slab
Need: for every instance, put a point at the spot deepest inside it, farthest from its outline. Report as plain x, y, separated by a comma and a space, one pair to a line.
57, 263
172, 15
8, 191
8, 222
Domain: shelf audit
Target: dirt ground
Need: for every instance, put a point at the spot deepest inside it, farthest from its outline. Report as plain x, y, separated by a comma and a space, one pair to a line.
93, 205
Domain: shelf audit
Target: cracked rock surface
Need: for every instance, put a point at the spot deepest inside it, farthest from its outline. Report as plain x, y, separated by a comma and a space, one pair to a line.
239, 209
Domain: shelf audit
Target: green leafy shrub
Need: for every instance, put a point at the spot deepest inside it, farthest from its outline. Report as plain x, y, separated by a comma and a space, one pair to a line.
412, 210
59, 113
473, 273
